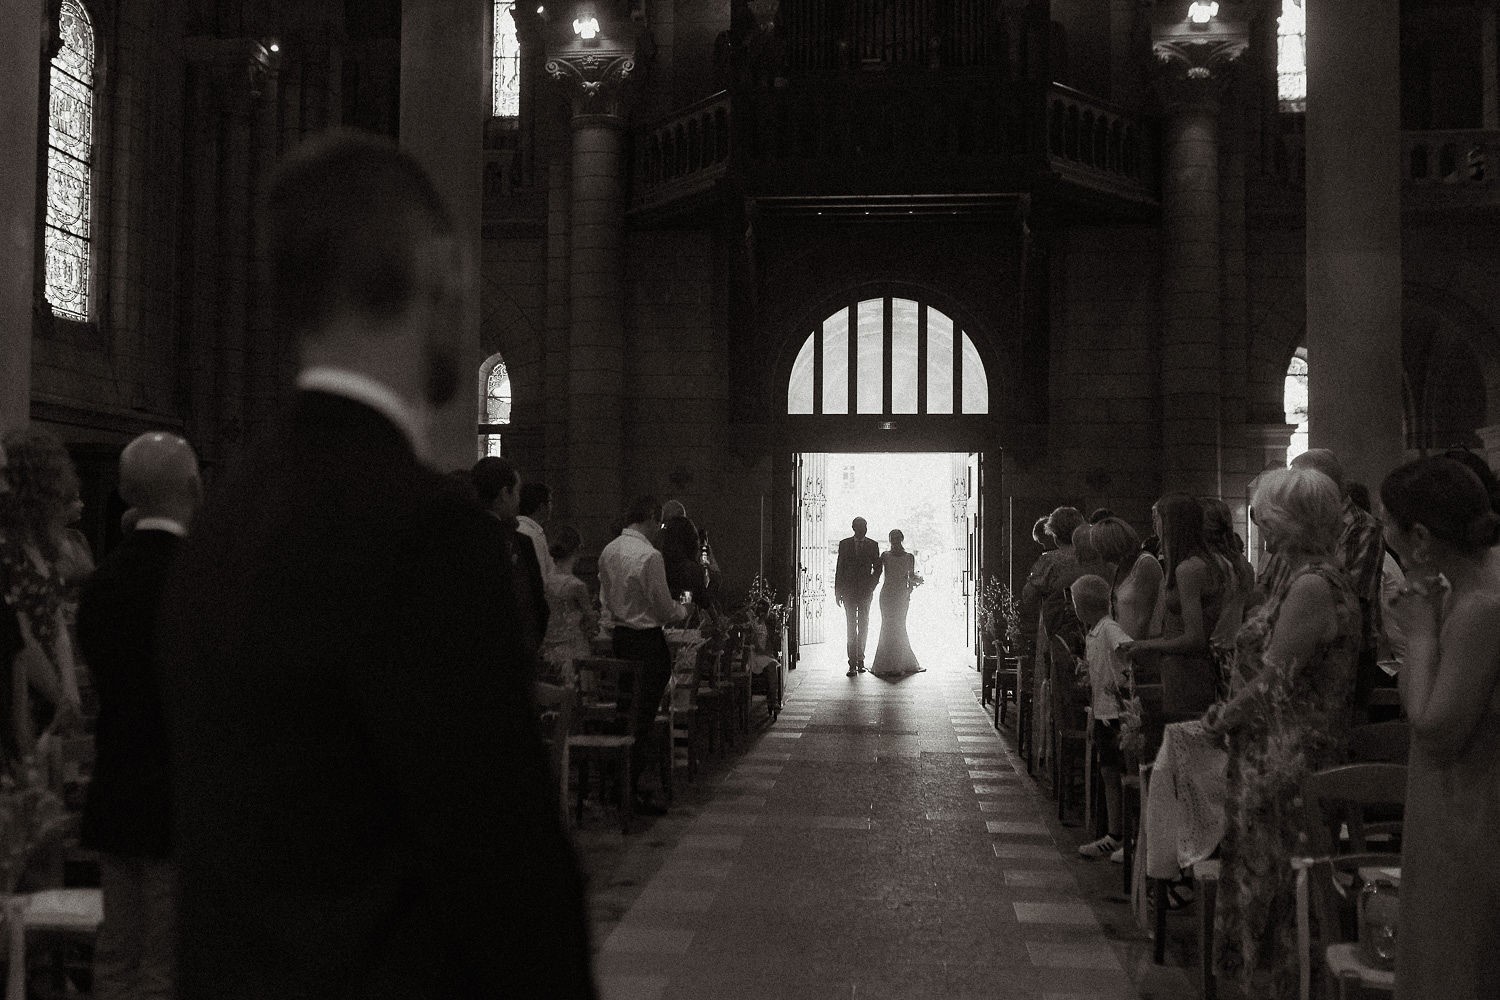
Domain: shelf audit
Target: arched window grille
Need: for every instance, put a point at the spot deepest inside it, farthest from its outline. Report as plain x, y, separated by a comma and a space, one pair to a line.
1295, 397
888, 356
1291, 56
70, 149
494, 404
505, 100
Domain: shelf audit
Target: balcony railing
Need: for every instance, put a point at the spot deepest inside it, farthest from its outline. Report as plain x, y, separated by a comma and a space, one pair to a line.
1458, 158
684, 154
1095, 145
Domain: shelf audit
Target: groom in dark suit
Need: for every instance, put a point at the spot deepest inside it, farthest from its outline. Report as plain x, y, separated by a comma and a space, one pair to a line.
854, 580
363, 806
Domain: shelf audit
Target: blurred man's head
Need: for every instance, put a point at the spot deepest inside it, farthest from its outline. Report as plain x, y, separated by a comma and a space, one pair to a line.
860, 527
159, 477
1325, 461
498, 485
364, 266
536, 501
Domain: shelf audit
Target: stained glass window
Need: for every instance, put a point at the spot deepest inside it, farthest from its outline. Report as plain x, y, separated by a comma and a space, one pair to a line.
1291, 56
494, 404
506, 98
70, 148
1296, 403
911, 324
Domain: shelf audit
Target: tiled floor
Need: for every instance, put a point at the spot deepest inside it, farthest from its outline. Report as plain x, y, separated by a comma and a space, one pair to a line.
878, 841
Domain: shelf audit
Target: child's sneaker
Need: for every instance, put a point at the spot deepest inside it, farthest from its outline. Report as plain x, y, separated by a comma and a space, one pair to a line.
1101, 848
1118, 857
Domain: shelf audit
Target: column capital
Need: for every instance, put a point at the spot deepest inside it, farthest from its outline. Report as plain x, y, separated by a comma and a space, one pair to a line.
240, 69
597, 82
1273, 440
1192, 61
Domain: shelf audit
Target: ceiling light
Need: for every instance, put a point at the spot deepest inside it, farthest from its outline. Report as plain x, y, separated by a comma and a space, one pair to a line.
586, 28
1201, 12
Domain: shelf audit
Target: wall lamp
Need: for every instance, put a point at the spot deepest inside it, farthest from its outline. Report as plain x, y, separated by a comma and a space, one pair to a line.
1200, 12
586, 28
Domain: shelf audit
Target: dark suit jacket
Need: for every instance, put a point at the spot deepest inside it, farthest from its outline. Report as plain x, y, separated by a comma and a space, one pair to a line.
858, 569
128, 811
363, 806
532, 610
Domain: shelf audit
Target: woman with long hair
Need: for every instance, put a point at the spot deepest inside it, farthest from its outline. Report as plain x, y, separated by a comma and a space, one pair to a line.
35, 512
1193, 589
1300, 650
1439, 519
1134, 575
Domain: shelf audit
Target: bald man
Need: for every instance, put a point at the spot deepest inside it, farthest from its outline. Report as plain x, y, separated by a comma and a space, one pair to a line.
128, 812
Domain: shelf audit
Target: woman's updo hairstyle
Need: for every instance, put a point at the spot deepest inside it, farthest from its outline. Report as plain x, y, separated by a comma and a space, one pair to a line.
1447, 497
564, 541
896, 535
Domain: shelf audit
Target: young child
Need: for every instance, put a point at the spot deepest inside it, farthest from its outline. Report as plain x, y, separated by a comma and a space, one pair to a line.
1107, 666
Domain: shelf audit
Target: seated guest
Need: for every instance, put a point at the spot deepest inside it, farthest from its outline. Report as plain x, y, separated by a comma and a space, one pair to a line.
1107, 678
1135, 575
1438, 518
573, 621
1193, 591
1292, 717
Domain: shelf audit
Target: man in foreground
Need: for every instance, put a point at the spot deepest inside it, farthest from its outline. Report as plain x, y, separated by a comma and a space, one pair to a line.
363, 805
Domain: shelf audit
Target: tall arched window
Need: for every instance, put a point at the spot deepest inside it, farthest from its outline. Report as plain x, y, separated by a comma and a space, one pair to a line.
888, 356
505, 100
70, 149
1291, 56
1295, 397
494, 404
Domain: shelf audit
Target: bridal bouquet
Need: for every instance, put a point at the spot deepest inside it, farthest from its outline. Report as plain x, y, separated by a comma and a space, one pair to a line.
916, 581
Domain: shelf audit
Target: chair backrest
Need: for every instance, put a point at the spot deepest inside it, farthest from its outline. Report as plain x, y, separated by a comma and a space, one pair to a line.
610, 680
1381, 742
1067, 708
1344, 795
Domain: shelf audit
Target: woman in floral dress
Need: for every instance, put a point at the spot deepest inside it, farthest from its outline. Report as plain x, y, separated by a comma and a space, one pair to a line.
1291, 718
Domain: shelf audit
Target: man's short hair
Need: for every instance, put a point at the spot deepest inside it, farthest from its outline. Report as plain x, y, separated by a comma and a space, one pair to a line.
346, 213
858, 523
1091, 594
643, 508
534, 496
492, 476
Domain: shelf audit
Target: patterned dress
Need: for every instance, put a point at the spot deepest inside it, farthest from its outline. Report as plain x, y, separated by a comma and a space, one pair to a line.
1297, 722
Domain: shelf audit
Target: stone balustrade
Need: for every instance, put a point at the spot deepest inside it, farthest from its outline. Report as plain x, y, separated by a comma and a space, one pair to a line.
1092, 143
683, 154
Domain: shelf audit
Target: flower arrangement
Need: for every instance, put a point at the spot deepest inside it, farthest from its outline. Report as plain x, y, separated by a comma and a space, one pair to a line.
30, 812
999, 612
1132, 739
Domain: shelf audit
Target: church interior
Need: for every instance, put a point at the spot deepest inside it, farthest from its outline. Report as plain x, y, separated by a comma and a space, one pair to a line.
1067, 252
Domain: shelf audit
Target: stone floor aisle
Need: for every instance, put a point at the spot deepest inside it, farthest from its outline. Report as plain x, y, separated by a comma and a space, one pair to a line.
878, 841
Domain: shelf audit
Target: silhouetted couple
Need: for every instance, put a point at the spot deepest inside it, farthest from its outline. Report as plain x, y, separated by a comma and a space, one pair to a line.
860, 567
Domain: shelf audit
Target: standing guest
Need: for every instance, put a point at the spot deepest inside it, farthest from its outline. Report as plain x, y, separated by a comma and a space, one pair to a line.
1107, 678
573, 620
362, 803
1099, 514
1061, 570
1193, 590
534, 509
1439, 519
1299, 650
35, 512
127, 815
637, 605
680, 553
855, 576
1031, 597
1135, 575
1228, 548
1361, 552
1084, 550
498, 485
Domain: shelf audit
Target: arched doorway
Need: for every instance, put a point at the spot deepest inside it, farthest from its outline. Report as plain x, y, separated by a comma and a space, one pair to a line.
890, 393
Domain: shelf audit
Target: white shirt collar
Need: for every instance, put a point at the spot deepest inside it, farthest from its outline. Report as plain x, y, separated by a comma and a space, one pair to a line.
166, 524
526, 521
363, 389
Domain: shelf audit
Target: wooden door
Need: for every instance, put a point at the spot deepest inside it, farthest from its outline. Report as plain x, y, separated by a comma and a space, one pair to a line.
812, 547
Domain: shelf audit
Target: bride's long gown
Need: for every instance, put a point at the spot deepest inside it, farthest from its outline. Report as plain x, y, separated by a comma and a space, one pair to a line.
893, 655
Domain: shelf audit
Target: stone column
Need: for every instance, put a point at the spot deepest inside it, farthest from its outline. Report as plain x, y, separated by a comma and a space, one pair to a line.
596, 81
1193, 62
444, 52
21, 82
1354, 234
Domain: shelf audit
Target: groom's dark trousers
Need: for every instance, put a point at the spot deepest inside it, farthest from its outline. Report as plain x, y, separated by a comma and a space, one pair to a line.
854, 579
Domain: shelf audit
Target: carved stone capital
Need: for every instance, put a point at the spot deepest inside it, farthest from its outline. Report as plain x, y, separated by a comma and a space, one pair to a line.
597, 82
240, 69
1194, 61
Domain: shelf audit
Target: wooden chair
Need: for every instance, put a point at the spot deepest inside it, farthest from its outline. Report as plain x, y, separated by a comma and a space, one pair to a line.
62, 916
1334, 800
558, 711
1070, 730
613, 686
687, 729
1007, 683
742, 688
